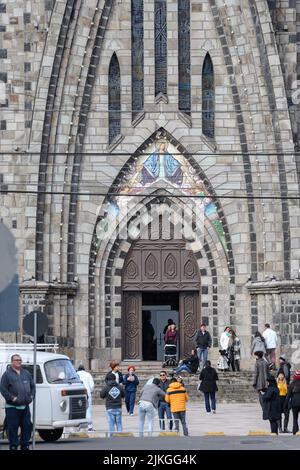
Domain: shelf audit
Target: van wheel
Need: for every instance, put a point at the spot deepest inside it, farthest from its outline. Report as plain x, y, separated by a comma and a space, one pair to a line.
50, 435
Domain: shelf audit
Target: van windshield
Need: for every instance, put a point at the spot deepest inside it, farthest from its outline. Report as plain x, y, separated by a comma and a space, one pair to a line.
61, 371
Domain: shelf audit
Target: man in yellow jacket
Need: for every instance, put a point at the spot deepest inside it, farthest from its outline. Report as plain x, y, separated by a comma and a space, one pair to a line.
177, 397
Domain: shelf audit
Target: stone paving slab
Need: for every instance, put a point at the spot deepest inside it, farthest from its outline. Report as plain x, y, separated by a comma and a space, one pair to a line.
234, 419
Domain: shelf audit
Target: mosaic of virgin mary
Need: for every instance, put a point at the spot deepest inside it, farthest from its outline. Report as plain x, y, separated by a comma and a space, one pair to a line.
161, 165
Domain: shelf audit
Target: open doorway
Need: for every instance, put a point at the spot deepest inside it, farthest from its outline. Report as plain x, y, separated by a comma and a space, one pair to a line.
157, 309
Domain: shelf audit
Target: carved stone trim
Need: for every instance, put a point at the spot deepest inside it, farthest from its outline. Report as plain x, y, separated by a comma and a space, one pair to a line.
157, 286
273, 287
42, 287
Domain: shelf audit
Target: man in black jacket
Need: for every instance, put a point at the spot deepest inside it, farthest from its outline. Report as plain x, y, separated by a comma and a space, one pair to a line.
18, 389
202, 343
163, 406
113, 392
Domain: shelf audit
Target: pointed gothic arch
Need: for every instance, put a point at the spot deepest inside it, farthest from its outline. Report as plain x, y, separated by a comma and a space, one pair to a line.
184, 57
160, 48
114, 98
137, 57
208, 98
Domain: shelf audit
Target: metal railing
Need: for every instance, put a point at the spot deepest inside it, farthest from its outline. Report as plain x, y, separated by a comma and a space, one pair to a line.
28, 347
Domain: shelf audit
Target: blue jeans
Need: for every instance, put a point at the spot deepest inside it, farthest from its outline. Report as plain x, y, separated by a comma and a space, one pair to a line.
114, 418
210, 396
180, 416
183, 367
18, 419
163, 409
201, 352
130, 401
146, 409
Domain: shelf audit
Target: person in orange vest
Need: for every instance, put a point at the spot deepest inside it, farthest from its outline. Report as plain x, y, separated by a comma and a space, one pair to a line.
177, 397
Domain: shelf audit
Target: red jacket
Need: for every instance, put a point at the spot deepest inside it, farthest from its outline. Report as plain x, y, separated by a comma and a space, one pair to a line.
171, 337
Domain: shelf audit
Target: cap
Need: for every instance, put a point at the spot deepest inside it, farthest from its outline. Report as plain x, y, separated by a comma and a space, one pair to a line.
283, 356
296, 375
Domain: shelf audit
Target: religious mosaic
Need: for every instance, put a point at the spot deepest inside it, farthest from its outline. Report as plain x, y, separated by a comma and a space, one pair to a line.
162, 167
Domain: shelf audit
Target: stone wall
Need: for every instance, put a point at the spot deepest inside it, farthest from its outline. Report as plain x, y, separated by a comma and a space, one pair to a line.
54, 59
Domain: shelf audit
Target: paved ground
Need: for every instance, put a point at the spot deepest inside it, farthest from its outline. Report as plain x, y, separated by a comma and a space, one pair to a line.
174, 444
235, 420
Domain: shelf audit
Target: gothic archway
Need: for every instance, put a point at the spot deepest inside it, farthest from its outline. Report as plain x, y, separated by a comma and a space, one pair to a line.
141, 177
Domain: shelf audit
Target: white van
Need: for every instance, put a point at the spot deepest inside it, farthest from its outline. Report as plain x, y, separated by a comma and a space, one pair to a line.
61, 398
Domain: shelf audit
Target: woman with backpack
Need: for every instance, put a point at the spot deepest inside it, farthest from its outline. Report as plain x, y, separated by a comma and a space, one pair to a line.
258, 344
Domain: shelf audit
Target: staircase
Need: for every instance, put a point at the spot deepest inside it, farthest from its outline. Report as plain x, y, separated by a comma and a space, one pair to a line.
234, 387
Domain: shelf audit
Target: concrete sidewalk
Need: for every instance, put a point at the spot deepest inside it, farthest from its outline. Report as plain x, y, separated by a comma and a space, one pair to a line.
234, 419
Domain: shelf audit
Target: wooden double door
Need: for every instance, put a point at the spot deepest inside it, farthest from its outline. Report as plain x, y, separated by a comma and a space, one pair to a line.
159, 267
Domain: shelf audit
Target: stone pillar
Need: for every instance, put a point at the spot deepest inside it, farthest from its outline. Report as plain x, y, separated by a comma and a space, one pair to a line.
52, 299
279, 304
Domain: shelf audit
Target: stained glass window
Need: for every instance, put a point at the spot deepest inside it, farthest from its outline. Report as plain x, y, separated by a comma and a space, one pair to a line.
208, 98
184, 57
137, 56
160, 34
114, 98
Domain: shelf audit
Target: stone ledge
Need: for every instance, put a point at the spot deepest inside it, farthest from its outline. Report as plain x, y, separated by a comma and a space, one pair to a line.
274, 286
43, 287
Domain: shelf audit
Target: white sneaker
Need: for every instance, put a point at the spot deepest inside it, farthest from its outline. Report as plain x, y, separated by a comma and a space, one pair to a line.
214, 412
208, 412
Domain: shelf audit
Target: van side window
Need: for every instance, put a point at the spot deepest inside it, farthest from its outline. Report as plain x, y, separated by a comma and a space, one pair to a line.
29, 367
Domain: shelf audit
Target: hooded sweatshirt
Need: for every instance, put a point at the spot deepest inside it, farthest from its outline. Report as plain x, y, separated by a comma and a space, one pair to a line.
177, 397
113, 392
153, 394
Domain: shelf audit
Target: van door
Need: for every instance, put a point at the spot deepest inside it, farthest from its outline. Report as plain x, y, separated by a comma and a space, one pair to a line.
43, 397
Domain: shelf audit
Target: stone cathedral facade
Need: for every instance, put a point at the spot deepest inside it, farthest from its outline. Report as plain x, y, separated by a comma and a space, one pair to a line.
114, 112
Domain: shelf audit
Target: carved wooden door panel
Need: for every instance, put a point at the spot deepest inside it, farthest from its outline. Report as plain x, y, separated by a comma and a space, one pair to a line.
132, 326
189, 321
160, 266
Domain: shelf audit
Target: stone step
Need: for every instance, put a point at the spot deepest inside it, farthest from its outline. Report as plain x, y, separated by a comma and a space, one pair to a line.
233, 387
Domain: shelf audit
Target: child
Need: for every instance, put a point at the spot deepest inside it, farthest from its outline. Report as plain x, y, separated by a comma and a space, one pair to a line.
282, 387
177, 397
130, 382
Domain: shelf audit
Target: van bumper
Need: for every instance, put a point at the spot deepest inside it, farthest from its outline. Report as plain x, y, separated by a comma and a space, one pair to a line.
69, 423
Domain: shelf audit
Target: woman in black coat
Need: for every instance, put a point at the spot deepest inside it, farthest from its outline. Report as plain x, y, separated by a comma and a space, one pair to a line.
208, 386
190, 364
271, 404
293, 399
